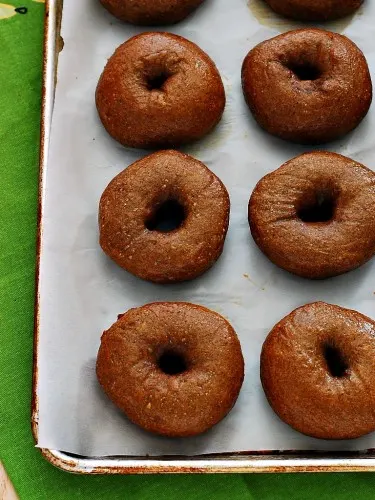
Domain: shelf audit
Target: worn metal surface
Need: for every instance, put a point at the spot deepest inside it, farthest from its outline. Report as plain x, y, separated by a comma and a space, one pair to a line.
274, 461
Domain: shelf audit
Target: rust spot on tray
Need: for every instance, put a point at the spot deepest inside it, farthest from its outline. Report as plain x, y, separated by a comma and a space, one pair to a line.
43, 126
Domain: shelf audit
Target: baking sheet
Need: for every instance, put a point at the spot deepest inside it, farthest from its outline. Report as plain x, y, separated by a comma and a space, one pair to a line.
81, 291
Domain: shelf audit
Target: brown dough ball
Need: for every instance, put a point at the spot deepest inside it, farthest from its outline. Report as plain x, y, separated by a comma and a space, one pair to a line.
164, 218
315, 215
308, 86
151, 12
159, 90
314, 10
174, 369
317, 370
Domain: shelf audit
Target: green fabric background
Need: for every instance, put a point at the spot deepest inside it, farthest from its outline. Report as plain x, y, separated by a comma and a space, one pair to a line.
20, 83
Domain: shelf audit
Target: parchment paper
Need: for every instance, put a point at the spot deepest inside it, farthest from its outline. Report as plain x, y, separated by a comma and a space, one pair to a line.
82, 291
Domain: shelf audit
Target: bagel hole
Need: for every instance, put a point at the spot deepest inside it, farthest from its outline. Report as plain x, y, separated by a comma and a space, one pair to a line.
321, 208
172, 363
336, 363
304, 70
157, 80
168, 216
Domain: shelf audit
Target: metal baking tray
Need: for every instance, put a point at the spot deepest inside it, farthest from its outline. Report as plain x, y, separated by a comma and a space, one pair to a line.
275, 461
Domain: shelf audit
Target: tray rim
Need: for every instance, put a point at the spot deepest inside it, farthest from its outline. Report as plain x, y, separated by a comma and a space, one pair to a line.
241, 463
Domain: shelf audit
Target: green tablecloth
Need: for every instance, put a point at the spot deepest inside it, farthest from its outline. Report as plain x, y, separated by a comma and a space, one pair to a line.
21, 26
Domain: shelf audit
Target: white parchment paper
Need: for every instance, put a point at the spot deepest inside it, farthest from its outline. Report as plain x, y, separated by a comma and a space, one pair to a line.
82, 291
